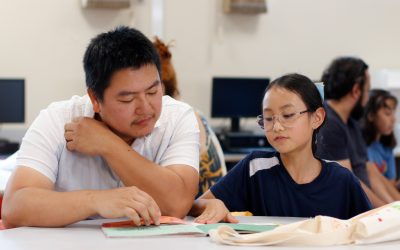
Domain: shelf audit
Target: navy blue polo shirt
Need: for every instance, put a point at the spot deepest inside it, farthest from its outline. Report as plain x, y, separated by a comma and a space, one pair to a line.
261, 184
337, 141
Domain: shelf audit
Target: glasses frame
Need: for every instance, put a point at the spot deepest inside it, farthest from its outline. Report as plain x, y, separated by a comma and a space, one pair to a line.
260, 119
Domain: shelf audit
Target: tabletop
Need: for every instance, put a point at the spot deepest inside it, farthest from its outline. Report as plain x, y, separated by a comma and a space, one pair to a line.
88, 235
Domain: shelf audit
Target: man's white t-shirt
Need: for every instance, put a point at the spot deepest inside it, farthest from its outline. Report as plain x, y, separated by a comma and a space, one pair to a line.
174, 140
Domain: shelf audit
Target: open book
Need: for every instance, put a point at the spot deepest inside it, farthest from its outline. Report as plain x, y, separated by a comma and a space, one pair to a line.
174, 226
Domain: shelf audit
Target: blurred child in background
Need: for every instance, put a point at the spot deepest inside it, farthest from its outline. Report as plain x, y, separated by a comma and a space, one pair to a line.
378, 125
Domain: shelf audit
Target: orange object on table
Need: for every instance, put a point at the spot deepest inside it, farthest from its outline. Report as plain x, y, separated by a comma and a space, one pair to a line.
129, 223
1, 203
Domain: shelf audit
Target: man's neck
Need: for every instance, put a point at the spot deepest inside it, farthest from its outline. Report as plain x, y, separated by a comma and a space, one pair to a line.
128, 140
342, 108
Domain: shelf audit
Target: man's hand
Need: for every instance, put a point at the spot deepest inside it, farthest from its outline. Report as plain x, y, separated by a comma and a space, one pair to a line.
128, 202
87, 135
215, 211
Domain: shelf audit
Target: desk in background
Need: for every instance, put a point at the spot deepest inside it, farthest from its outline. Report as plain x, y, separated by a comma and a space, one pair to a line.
236, 145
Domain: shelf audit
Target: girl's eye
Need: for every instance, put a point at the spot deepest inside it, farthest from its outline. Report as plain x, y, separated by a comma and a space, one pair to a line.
152, 92
268, 119
387, 112
288, 116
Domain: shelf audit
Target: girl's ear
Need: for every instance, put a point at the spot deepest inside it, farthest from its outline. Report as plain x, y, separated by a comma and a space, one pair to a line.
318, 117
370, 117
95, 101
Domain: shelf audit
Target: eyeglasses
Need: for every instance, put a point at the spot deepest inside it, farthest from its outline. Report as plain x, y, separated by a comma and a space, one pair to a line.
286, 120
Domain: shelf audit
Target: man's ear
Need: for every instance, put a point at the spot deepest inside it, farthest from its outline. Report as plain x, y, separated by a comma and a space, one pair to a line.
319, 117
95, 101
163, 88
356, 91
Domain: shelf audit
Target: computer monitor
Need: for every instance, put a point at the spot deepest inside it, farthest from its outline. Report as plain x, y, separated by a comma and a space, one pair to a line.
12, 101
236, 98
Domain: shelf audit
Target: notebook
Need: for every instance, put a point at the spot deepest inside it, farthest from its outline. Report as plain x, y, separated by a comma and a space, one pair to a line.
174, 226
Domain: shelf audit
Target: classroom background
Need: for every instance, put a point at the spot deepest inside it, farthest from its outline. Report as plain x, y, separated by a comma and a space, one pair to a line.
43, 42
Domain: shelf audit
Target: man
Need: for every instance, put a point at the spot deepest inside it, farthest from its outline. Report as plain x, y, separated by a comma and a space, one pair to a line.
121, 150
347, 82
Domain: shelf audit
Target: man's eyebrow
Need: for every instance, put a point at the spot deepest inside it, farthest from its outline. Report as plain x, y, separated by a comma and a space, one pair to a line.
155, 83
126, 93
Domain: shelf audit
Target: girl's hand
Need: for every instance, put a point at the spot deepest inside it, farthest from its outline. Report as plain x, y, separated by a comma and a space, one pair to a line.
214, 212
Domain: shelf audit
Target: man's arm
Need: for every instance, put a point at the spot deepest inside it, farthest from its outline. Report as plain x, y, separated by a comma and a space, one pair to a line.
380, 182
173, 187
375, 200
30, 200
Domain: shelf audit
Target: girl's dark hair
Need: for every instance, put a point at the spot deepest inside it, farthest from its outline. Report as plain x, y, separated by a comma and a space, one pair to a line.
377, 100
306, 90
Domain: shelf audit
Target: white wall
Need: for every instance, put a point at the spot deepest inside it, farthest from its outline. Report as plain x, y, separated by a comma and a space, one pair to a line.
44, 41
294, 36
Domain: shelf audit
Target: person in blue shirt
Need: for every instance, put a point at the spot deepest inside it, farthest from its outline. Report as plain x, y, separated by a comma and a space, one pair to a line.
290, 181
377, 126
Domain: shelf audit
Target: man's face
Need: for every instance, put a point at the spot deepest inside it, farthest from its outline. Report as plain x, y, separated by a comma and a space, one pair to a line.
132, 102
367, 88
358, 109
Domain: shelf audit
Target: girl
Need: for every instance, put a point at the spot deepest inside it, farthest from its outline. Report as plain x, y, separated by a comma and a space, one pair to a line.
378, 124
291, 181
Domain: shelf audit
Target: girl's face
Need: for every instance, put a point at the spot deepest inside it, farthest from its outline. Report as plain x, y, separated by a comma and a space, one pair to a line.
288, 125
385, 119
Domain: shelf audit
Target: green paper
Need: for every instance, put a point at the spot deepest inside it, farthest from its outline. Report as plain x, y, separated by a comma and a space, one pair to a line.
152, 231
187, 229
241, 228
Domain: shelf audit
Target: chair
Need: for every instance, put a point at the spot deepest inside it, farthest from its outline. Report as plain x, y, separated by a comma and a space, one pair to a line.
1, 222
212, 163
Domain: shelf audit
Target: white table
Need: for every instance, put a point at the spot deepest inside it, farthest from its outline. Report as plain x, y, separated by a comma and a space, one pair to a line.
88, 235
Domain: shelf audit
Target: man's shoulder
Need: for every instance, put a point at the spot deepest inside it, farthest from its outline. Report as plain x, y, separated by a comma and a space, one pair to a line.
76, 103
173, 108
171, 103
333, 124
334, 168
60, 112
333, 118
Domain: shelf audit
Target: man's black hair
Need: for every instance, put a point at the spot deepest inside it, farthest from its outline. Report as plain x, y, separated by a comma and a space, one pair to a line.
341, 75
118, 49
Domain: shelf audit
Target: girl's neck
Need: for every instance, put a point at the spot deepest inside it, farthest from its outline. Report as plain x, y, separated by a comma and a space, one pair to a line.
301, 164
